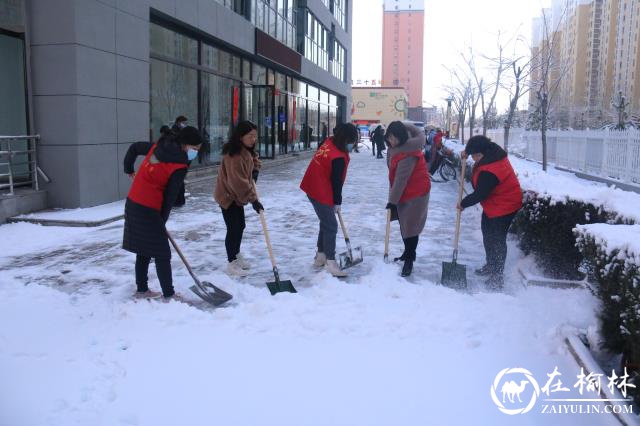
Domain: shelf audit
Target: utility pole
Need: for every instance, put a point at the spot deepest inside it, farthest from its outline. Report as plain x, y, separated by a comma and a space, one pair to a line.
448, 122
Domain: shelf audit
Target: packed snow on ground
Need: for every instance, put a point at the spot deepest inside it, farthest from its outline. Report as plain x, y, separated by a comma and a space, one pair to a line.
90, 214
561, 186
374, 349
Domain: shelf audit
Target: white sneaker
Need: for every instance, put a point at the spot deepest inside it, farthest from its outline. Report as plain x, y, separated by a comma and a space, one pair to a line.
235, 270
320, 260
332, 267
243, 262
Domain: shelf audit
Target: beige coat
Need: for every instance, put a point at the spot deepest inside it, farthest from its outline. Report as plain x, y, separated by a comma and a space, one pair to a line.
235, 182
412, 214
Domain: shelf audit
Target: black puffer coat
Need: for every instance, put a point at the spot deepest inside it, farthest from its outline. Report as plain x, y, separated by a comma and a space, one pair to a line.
144, 227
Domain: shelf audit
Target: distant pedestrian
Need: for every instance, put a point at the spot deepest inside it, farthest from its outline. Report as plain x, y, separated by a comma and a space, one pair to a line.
378, 139
179, 123
148, 206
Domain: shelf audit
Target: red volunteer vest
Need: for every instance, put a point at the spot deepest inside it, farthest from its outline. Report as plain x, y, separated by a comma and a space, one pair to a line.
151, 180
317, 179
419, 183
506, 198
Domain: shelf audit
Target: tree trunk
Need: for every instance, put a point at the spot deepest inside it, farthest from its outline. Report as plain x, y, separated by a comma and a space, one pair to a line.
543, 130
507, 127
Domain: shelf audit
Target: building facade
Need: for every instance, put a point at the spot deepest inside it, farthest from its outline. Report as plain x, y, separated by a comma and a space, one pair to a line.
402, 47
594, 47
93, 76
383, 105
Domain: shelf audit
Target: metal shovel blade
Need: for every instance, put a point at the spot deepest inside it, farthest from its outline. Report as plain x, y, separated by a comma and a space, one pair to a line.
279, 286
350, 258
454, 275
210, 293
276, 287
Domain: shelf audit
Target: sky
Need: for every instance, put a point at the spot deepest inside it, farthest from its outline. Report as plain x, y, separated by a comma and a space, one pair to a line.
451, 26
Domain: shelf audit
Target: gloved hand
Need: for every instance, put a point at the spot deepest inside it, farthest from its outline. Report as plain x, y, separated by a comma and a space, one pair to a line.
337, 208
257, 206
254, 175
391, 206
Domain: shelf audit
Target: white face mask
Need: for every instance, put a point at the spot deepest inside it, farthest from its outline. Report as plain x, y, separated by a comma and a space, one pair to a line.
182, 125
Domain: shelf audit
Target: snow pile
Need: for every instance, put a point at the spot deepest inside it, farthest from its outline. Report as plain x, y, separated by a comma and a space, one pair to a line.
625, 239
89, 214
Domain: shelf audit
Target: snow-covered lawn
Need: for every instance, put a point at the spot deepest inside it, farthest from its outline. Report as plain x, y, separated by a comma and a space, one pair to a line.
374, 349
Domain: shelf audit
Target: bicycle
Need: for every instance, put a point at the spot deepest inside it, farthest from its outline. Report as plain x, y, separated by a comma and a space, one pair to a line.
446, 168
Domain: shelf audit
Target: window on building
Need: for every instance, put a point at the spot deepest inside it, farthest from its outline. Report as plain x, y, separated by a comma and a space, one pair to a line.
276, 18
339, 8
316, 42
338, 62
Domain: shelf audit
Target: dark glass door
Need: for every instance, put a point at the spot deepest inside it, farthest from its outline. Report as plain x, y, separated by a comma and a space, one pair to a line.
263, 113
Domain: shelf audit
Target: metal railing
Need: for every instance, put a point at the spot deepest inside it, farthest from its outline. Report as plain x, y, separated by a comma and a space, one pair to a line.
18, 162
610, 154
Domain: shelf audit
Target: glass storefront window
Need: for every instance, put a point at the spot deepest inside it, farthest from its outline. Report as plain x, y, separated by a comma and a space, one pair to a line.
271, 77
325, 130
217, 111
13, 104
324, 97
333, 100
281, 81
174, 92
313, 124
313, 92
259, 74
173, 45
246, 70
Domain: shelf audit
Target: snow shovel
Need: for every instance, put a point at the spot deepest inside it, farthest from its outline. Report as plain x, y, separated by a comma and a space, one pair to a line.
276, 286
454, 275
205, 290
386, 237
350, 257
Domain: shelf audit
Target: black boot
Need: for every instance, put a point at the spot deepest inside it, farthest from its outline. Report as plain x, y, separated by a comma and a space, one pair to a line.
401, 258
484, 271
407, 268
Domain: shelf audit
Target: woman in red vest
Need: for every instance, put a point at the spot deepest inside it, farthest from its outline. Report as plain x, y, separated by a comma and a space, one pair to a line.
497, 189
409, 186
155, 188
323, 183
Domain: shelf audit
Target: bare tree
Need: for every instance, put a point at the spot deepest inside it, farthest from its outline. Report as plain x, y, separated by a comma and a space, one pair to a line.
550, 70
516, 89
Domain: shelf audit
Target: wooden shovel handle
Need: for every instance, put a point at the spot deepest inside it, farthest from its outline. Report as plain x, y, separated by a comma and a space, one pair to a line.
266, 238
388, 232
344, 228
265, 230
459, 212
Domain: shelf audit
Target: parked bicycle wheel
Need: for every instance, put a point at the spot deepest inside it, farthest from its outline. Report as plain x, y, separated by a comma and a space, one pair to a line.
447, 171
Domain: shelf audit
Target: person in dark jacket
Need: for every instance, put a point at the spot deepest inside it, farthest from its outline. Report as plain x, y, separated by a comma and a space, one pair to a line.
153, 191
235, 188
322, 182
378, 139
497, 189
179, 124
409, 186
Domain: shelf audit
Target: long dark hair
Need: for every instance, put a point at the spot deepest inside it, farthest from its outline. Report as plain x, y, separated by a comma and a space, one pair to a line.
234, 145
399, 130
344, 134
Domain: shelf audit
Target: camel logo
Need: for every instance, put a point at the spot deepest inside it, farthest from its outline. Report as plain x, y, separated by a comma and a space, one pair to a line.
513, 391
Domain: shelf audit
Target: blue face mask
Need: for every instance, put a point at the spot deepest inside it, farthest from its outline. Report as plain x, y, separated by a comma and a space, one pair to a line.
349, 147
192, 154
